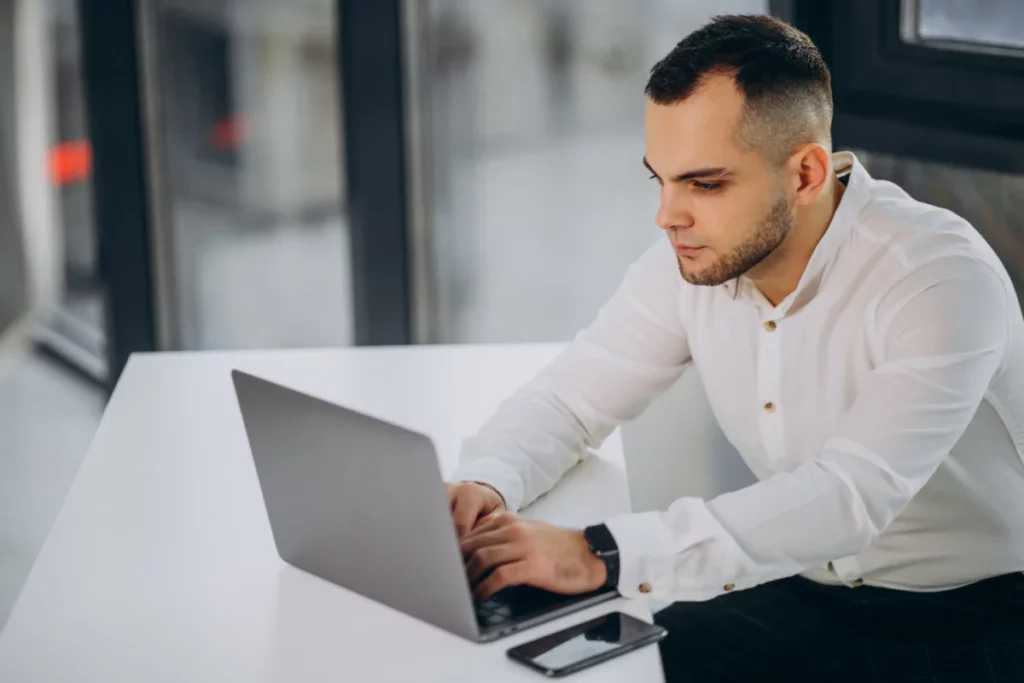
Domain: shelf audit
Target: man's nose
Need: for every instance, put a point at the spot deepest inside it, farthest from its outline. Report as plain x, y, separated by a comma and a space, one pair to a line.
672, 214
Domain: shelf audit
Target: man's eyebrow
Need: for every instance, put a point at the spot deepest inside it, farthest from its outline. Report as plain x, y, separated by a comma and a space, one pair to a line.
708, 172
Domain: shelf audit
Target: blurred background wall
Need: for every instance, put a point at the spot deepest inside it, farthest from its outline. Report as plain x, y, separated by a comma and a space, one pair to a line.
522, 195
529, 115
536, 194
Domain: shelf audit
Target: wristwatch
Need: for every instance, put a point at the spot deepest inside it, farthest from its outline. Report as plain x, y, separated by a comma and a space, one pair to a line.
603, 545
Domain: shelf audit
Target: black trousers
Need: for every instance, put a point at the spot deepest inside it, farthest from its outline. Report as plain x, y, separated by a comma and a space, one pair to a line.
796, 630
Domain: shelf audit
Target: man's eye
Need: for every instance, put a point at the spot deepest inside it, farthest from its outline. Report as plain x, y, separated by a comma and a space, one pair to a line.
706, 187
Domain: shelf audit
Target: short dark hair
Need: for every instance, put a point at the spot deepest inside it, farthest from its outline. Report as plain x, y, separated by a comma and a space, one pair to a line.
779, 70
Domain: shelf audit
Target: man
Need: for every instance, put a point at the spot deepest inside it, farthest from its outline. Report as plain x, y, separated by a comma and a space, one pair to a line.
864, 352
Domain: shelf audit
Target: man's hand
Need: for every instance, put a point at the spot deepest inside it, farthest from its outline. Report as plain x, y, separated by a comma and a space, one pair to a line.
470, 501
508, 550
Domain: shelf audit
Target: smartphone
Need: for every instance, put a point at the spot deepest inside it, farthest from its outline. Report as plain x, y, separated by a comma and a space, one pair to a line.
584, 645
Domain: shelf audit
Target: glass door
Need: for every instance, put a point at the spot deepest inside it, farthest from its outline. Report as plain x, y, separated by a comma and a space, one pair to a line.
251, 238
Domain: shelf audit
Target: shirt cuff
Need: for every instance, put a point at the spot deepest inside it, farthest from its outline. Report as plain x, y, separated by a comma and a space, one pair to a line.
496, 474
645, 555
676, 555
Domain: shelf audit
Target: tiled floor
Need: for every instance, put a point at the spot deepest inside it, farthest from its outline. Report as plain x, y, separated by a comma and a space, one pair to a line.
47, 419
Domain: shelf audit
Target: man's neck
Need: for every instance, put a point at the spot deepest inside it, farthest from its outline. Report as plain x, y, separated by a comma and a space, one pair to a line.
778, 276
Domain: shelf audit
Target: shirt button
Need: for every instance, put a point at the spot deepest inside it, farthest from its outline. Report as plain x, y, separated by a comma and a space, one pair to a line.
769, 407
770, 326
729, 587
646, 588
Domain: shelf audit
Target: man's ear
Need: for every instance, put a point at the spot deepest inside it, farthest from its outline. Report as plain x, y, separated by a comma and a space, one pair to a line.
810, 168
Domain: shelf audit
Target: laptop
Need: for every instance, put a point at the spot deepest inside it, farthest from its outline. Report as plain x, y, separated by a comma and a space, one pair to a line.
361, 503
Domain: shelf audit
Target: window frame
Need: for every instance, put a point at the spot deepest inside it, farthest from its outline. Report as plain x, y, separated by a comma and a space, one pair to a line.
914, 99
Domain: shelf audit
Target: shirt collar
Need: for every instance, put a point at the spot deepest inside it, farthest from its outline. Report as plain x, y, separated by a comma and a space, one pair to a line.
856, 195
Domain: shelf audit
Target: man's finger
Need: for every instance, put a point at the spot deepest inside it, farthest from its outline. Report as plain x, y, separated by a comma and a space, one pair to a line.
491, 521
491, 557
464, 513
475, 541
504, 576
488, 520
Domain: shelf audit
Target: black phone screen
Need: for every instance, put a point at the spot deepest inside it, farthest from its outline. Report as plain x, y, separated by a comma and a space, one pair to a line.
588, 643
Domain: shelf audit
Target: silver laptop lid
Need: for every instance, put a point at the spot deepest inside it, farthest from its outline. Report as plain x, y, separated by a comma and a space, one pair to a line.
357, 501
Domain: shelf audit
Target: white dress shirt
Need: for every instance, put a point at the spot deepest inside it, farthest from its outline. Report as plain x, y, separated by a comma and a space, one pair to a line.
880, 405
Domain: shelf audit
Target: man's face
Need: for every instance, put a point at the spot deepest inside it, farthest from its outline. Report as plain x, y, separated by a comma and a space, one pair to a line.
723, 208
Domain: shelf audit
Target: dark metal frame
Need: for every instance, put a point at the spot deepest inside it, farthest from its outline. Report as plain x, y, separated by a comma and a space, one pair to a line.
113, 99
910, 99
370, 54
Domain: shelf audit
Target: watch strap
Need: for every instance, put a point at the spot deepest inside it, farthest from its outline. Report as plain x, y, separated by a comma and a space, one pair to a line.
603, 545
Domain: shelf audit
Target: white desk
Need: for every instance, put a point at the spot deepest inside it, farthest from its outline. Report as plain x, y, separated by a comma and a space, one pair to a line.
161, 565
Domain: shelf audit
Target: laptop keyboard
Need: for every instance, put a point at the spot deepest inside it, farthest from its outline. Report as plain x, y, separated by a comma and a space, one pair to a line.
518, 602
492, 613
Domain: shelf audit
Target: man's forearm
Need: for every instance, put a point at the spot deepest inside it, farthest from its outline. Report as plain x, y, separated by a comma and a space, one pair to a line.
634, 350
